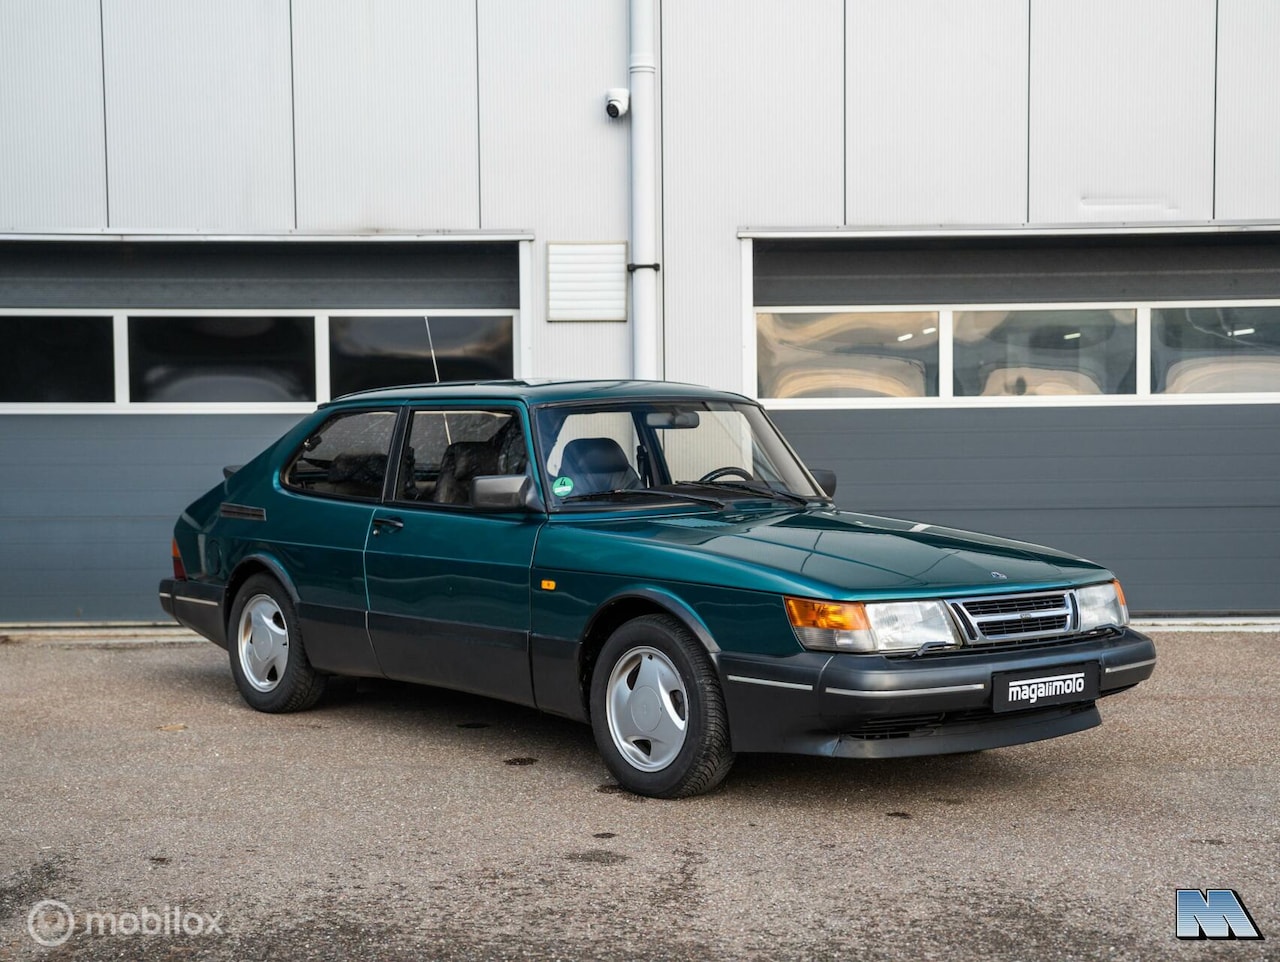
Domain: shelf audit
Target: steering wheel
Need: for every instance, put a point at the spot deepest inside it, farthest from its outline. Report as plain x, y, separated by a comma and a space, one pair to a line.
743, 473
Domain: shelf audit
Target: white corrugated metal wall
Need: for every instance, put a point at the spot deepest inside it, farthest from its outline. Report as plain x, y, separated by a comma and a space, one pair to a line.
313, 116
551, 161
1121, 113
386, 112
198, 110
937, 133
753, 134
1247, 139
53, 165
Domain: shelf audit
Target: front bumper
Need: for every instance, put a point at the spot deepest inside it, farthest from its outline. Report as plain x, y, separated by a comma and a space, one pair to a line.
871, 706
196, 605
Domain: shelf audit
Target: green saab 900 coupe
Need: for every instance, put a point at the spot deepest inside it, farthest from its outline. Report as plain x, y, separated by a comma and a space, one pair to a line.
650, 558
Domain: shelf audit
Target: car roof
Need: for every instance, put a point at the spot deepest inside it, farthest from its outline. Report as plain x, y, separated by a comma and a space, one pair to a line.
539, 392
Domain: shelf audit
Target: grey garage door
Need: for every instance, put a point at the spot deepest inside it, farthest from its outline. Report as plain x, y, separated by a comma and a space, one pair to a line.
1182, 501
88, 501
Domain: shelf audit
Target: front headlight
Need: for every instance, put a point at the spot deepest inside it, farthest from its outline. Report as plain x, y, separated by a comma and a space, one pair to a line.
1102, 606
891, 626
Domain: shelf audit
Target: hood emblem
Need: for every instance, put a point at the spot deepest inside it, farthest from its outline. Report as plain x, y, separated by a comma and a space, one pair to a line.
999, 576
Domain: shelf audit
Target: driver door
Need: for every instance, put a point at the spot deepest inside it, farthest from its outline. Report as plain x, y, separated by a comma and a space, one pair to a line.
448, 585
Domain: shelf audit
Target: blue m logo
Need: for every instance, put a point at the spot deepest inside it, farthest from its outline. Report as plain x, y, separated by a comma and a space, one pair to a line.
1214, 914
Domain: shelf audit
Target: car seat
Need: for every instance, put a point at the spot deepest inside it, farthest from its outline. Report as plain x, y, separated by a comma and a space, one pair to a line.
597, 464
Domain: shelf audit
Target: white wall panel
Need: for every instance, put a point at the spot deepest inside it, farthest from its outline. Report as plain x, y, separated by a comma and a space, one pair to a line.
1248, 161
937, 112
1121, 110
752, 95
386, 114
199, 132
550, 159
53, 165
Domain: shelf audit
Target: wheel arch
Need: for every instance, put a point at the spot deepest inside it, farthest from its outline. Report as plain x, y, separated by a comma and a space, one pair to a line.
254, 564
625, 606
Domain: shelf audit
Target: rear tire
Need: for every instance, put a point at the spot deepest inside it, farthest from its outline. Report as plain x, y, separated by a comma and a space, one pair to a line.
657, 711
268, 658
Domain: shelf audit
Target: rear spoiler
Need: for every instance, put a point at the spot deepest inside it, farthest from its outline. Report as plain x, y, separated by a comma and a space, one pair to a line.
229, 470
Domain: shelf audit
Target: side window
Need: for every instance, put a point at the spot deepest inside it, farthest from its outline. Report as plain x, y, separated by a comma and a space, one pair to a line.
346, 458
448, 449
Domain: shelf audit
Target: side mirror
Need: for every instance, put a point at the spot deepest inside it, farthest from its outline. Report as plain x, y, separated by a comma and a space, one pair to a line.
826, 479
504, 492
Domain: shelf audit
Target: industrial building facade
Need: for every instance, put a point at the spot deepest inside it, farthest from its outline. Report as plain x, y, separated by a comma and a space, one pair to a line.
1011, 265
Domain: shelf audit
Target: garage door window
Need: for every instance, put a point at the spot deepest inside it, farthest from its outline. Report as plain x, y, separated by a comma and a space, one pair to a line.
1215, 350
253, 359
1016, 353
229, 362
371, 352
848, 354
56, 359
986, 354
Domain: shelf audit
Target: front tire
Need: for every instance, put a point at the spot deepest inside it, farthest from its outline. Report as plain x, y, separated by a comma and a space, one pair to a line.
268, 659
657, 710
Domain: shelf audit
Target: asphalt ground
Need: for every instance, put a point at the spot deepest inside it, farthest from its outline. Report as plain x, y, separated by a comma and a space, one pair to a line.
411, 823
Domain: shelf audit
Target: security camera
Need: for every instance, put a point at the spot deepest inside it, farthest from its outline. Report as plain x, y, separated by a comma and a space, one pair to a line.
617, 101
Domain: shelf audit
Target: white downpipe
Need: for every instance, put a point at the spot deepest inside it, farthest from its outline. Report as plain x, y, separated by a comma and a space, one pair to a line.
643, 70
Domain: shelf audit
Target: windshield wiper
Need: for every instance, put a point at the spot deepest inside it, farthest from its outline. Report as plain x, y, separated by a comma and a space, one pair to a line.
642, 493
755, 488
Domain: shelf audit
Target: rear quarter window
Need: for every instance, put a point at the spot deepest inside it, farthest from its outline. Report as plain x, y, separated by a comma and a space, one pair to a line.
345, 458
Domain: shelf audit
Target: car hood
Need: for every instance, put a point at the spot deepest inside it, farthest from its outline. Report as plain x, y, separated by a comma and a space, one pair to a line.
837, 553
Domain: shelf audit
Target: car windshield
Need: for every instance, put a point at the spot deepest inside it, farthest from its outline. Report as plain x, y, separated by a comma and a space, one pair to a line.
699, 450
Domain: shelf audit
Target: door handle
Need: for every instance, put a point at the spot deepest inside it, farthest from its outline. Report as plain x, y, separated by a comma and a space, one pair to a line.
395, 524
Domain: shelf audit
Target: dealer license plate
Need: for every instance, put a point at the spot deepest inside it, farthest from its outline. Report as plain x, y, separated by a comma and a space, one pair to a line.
1060, 685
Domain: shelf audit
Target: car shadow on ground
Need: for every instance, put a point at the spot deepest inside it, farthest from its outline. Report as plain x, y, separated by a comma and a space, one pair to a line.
523, 736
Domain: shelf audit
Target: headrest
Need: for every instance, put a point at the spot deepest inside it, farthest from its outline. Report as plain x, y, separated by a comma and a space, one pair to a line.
594, 456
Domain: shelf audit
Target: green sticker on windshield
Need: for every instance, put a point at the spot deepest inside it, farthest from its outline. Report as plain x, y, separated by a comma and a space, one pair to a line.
562, 487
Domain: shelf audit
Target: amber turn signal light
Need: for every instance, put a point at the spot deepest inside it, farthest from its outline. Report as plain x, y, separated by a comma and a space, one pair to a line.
828, 615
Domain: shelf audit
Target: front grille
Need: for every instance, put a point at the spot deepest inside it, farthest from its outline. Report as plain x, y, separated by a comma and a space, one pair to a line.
1004, 618
1024, 627
982, 607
